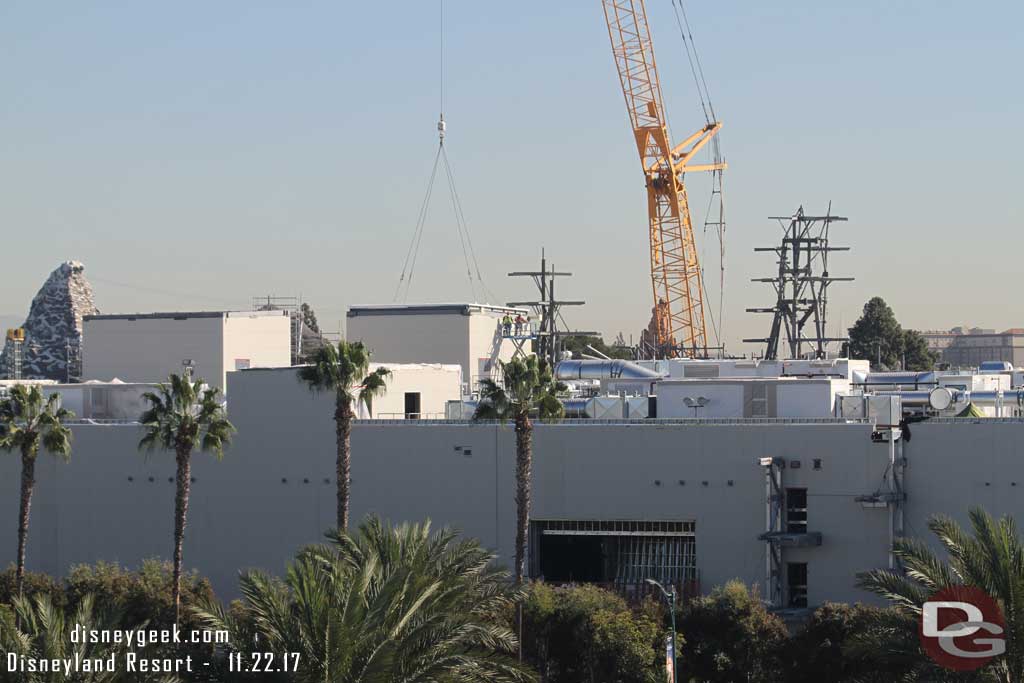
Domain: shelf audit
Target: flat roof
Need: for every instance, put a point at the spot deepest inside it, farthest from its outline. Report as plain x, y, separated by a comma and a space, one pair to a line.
180, 315
431, 309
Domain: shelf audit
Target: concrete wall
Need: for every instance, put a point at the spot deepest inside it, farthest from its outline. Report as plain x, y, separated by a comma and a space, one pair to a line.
726, 398
436, 384
469, 337
274, 491
148, 349
430, 338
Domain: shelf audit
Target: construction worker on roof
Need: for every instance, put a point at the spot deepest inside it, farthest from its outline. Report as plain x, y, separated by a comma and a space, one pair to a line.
519, 324
506, 325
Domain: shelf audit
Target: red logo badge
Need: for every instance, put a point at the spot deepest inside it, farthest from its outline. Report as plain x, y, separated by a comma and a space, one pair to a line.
962, 628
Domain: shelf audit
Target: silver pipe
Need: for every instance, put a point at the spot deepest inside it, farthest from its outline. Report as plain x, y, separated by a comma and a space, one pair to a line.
896, 379
603, 369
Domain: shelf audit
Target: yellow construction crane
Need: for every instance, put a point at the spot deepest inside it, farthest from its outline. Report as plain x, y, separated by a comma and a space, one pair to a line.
676, 277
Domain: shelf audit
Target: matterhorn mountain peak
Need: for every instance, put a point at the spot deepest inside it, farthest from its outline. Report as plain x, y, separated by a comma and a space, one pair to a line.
54, 324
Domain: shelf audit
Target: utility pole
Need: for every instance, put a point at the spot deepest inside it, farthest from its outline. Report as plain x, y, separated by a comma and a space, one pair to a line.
548, 309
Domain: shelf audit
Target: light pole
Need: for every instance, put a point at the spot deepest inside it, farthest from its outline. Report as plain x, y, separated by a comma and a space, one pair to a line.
670, 598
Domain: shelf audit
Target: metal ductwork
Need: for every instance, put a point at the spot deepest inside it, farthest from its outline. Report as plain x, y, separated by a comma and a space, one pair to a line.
899, 379
603, 369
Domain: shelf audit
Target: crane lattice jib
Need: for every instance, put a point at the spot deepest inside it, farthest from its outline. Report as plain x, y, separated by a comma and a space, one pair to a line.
675, 268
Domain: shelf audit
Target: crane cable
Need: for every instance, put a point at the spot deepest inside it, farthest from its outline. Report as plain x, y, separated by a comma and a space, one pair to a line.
708, 108
461, 227
694, 59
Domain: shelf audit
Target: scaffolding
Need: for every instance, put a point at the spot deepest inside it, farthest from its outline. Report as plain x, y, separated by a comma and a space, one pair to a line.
783, 529
15, 349
801, 286
72, 359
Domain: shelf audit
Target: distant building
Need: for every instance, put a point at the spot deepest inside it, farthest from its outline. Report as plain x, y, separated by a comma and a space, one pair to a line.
467, 334
971, 347
146, 347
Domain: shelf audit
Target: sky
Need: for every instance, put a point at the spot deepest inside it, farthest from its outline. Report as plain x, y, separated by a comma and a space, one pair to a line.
195, 154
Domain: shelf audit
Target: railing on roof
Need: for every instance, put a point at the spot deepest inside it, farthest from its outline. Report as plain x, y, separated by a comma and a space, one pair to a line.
656, 422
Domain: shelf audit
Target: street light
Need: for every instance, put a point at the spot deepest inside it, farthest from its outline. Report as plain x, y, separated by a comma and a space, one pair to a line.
670, 598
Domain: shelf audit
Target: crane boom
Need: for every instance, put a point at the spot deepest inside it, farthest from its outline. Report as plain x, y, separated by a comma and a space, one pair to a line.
676, 277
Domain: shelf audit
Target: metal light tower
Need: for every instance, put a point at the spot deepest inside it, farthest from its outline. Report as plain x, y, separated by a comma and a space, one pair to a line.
801, 286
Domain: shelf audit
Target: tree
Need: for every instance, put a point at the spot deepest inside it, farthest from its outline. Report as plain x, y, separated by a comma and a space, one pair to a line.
729, 636
28, 421
916, 353
380, 605
345, 370
528, 387
587, 633
991, 558
309, 317
830, 646
37, 629
182, 415
878, 337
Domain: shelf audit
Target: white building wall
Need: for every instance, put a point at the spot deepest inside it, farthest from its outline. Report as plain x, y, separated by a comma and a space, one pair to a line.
808, 398
274, 491
487, 347
725, 399
406, 338
465, 334
436, 384
257, 340
147, 349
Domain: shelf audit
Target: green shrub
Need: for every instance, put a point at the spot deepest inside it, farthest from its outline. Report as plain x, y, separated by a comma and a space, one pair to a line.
729, 636
586, 633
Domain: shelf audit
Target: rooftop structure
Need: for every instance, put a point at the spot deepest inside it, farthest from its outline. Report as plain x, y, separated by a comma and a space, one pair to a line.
146, 347
962, 347
415, 391
467, 334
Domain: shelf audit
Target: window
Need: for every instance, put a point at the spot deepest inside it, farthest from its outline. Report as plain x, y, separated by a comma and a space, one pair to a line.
796, 511
796, 582
412, 405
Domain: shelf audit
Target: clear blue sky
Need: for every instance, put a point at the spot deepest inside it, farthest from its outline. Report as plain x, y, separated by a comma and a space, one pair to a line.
206, 152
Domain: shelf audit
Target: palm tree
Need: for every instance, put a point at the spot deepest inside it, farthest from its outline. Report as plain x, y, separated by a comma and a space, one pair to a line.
382, 605
990, 558
183, 414
345, 370
528, 388
28, 420
35, 628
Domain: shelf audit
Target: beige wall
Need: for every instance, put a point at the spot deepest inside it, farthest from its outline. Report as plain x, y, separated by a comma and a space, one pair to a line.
264, 341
